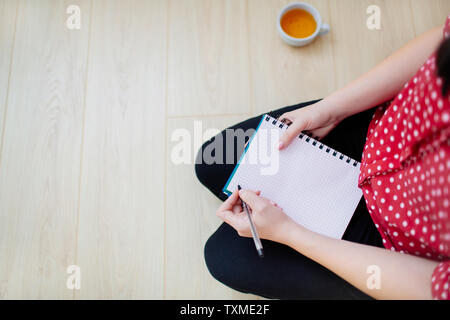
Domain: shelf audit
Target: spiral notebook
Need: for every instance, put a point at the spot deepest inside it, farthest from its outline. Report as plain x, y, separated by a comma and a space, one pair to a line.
314, 184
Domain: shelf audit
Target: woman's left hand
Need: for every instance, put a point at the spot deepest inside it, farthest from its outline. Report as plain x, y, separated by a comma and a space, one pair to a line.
270, 220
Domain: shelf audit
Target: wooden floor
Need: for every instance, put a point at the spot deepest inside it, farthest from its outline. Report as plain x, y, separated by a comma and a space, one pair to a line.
86, 118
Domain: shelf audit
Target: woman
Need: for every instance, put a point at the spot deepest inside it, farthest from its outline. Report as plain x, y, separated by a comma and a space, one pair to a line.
405, 178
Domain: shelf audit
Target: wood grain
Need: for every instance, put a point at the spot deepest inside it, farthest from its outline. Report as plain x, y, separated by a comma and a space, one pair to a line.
8, 14
428, 14
41, 153
191, 220
356, 48
283, 75
208, 57
121, 230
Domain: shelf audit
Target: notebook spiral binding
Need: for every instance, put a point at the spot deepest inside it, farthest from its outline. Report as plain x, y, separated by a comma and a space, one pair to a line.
314, 142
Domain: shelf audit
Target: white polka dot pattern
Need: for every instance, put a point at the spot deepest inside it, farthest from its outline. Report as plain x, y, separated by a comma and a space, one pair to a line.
405, 172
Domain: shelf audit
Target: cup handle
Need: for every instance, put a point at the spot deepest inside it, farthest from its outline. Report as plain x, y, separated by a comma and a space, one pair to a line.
324, 29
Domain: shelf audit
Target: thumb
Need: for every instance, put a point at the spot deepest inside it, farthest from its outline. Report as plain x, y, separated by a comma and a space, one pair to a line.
291, 132
323, 132
253, 200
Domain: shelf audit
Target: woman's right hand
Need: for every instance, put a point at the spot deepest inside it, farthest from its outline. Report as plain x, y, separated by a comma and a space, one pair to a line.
316, 120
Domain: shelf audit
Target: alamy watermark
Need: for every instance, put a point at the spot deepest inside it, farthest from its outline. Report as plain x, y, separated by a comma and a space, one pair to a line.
374, 19
374, 280
73, 21
74, 279
226, 147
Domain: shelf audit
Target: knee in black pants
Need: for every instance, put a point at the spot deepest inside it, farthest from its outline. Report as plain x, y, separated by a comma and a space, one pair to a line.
220, 265
213, 257
210, 175
202, 170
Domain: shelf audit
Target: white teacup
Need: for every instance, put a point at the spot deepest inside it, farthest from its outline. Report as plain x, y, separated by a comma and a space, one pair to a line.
322, 28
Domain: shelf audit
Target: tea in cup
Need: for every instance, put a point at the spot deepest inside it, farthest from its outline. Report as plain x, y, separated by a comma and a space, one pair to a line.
300, 23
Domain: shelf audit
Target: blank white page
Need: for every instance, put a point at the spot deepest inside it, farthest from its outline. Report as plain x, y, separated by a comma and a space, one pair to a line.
316, 188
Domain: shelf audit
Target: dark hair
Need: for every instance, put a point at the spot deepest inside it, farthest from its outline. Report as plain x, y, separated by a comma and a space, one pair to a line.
443, 65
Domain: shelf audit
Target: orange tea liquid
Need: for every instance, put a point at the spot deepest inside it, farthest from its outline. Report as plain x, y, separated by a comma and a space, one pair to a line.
298, 23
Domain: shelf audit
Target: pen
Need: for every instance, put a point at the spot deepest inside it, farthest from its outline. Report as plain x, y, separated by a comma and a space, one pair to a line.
255, 235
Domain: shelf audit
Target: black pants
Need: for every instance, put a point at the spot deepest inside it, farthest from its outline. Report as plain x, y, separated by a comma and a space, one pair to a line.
284, 273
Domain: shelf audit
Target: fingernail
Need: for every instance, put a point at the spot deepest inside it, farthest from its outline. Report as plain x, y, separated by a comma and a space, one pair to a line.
281, 145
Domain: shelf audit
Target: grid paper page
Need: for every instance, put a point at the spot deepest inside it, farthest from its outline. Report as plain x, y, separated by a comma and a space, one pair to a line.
316, 188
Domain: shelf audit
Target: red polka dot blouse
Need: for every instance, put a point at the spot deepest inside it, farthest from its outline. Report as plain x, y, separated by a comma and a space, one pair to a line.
405, 172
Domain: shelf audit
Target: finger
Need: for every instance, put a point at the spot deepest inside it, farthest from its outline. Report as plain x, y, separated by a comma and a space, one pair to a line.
237, 209
322, 132
276, 205
230, 202
285, 118
226, 216
286, 121
290, 134
233, 218
252, 199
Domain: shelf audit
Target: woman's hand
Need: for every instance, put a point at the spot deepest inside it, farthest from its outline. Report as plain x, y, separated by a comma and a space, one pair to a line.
270, 220
316, 120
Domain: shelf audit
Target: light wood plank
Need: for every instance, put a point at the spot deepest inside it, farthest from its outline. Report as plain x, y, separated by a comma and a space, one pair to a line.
120, 247
428, 14
356, 48
41, 154
283, 75
190, 221
208, 57
8, 10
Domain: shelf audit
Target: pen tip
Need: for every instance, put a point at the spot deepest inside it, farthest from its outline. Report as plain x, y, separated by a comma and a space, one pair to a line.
260, 253
239, 187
